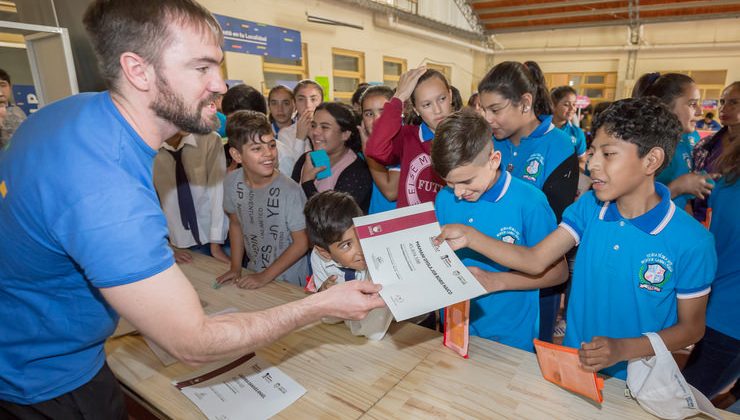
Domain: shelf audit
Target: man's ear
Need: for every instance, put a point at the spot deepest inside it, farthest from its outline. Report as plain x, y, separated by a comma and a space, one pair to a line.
654, 160
136, 71
323, 253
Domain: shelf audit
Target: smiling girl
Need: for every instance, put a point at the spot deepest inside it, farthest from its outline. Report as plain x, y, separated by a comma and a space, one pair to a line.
334, 130
410, 146
517, 106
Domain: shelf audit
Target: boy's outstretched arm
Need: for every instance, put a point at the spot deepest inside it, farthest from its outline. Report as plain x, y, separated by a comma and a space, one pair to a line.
292, 253
531, 261
555, 274
603, 352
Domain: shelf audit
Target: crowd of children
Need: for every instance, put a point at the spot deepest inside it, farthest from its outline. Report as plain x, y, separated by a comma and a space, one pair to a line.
517, 190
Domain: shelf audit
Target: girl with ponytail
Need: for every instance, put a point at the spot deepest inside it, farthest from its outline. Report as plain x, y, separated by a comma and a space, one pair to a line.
516, 103
681, 95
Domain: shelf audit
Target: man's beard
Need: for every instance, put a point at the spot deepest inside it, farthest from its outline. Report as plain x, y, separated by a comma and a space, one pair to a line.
171, 107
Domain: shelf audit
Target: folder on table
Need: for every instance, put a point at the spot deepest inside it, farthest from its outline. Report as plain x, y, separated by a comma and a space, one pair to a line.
560, 365
457, 328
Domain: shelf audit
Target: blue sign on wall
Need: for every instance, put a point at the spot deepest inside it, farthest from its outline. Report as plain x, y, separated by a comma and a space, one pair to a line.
247, 37
25, 98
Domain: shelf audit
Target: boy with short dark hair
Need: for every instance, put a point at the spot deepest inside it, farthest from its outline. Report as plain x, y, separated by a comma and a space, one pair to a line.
264, 207
504, 208
641, 265
337, 256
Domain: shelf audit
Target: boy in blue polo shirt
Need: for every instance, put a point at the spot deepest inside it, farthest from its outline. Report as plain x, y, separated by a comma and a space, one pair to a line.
641, 265
479, 194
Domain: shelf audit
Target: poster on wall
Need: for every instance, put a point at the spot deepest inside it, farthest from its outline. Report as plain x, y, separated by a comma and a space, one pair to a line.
246, 37
25, 98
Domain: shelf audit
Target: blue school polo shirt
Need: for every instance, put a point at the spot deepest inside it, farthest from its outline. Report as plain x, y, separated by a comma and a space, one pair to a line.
681, 164
511, 211
577, 138
723, 310
378, 202
629, 273
537, 155
78, 212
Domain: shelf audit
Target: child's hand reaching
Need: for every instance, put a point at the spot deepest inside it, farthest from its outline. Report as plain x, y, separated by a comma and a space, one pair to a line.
600, 353
182, 257
231, 275
457, 236
253, 281
331, 281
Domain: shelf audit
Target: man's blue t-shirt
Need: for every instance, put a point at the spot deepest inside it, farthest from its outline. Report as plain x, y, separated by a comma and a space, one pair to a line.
511, 211
723, 310
537, 155
78, 212
630, 273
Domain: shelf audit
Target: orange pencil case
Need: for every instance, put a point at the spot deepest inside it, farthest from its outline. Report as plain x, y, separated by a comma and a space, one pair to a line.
560, 365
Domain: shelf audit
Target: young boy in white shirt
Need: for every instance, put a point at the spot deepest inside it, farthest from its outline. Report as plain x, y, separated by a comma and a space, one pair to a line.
337, 256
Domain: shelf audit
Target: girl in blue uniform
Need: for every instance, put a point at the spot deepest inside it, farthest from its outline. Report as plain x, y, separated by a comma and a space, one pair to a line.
681, 95
515, 102
714, 363
564, 109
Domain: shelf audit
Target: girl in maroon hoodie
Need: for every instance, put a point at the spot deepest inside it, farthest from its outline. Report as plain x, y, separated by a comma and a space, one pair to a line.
392, 143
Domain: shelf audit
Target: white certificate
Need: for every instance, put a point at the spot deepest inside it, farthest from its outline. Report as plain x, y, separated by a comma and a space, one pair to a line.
247, 388
417, 276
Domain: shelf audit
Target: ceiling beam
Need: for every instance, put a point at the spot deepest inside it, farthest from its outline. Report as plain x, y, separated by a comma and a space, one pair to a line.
493, 30
545, 6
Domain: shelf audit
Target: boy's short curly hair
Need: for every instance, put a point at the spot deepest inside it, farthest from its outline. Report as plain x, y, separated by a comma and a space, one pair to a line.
328, 215
645, 122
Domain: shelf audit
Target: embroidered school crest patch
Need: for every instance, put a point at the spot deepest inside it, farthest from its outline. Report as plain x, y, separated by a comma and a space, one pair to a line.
509, 235
534, 167
655, 271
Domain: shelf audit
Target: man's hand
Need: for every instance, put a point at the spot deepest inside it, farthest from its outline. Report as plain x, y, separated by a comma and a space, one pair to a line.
457, 236
600, 353
253, 281
407, 83
350, 300
182, 257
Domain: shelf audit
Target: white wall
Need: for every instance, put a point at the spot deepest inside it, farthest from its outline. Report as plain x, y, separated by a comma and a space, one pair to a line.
700, 45
373, 40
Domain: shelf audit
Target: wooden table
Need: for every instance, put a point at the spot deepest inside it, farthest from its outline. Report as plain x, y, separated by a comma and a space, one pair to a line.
344, 375
408, 374
497, 381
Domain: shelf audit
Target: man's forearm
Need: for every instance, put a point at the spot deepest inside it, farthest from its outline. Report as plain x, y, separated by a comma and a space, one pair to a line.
238, 333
